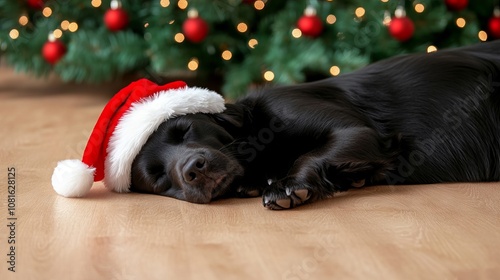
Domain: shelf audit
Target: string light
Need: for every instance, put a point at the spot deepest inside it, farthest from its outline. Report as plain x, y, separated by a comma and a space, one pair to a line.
384, 1
331, 19
57, 33
242, 27
360, 12
419, 8
182, 4
296, 33
23, 20
226, 55
460, 22
252, 43
268, 76
47, 12
171, 22
431, 48
164, 3
335, 70
259, 5
193, 64
179, 37
483, 36
65, 25
387, 18
14, 34
146, 24
96, 3
73, 27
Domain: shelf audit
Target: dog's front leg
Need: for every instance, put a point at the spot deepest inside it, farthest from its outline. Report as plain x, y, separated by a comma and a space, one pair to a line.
347, 158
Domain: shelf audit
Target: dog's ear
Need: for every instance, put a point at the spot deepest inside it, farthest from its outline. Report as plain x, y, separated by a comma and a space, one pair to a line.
233, 117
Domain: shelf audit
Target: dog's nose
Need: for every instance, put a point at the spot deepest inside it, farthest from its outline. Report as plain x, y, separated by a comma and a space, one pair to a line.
194, 168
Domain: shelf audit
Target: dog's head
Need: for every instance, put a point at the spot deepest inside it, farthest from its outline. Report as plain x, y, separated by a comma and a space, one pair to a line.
190, 157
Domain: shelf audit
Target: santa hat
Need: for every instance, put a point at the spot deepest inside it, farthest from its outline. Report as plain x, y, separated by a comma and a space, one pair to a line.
123, 127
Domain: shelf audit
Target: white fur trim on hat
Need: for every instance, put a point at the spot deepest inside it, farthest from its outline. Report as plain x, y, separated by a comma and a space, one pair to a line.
142, 119
72, 178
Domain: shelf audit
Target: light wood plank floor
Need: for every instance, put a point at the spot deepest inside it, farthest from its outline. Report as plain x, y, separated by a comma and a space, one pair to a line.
446, 231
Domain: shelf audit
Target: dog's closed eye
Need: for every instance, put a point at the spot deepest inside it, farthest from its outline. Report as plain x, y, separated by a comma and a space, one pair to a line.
177, 134
156, 172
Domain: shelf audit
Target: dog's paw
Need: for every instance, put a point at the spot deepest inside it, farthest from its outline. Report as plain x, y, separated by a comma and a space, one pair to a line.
358, 184
285, 197
248, 192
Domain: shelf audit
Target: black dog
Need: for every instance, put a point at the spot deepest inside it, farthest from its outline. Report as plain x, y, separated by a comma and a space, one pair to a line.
424, 118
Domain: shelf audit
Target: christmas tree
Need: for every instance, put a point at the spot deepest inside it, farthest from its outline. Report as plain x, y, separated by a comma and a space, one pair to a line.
246, 42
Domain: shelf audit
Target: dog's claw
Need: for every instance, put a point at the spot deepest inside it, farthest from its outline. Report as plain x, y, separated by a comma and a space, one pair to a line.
266, 200
286, 197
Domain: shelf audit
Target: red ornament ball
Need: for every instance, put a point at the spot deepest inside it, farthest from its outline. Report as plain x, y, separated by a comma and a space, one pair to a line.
35, 4
456, 5
494, 27
116, 19
195, 29
53, 51
401, 28
310, 25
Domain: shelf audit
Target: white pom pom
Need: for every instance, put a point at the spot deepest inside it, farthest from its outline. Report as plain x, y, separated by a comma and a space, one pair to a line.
72, 178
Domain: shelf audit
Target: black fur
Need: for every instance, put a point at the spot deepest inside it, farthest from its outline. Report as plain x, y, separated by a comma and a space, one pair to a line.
423, 118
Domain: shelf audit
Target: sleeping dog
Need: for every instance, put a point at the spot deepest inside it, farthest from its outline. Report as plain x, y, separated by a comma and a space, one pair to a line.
413, 119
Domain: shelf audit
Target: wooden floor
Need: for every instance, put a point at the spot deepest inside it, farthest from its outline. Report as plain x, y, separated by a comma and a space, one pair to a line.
447, 231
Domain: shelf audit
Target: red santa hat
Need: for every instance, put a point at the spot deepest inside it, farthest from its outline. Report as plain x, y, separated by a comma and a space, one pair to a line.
123, 127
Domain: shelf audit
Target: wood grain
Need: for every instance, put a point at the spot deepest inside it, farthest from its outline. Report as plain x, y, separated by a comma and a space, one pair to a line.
444, 231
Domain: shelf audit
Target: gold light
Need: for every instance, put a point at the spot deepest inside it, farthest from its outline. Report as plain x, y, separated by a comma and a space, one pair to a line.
360, 12
96, 3
47, 12
146, 24
182, 4
73, 27
242, 27
419, 8
259, 5
252, 43
57, 33
335, 70
23, 20
460, 22
179, 37
193, 64
14, 34
164, 3
268, 76
331, 19
431, 48
483, 36
226, 55
384, 1
65, 25
296, 33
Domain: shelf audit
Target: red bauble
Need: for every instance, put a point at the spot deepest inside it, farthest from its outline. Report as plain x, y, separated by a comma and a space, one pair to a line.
36, 4
310, 25
401, 28
195, 29
53, 50
456, 5
116, 19
494, 27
